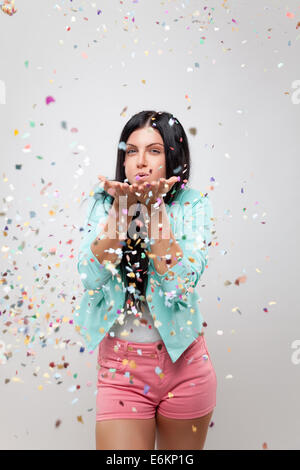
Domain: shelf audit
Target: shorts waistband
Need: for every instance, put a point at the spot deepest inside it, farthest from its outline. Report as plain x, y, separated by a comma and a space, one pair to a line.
131, 346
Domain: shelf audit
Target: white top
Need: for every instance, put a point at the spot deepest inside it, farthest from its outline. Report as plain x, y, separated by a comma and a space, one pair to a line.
135, 324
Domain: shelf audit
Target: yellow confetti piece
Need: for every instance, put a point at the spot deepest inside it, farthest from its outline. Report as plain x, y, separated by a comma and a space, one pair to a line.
17, 379
27, 340
132, 364
170, 395
40, 387
194, 428
79, 419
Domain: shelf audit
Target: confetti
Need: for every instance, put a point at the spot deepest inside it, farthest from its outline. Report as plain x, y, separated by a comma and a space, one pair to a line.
8, 7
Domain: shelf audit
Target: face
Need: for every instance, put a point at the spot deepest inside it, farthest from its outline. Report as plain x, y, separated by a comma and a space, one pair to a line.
145, 153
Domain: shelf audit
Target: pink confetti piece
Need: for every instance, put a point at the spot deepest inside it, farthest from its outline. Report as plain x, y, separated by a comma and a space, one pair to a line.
50, 99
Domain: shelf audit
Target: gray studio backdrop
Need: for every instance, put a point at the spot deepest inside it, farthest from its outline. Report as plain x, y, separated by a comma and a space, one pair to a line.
229, 71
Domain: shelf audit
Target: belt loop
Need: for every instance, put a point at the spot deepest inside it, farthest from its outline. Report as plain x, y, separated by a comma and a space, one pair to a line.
125, 346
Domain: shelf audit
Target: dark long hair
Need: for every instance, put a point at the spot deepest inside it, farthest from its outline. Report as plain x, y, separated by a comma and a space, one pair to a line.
178, 163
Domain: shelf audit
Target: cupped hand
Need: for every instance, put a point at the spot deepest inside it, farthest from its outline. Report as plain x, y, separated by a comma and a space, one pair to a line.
153, 192
117, 189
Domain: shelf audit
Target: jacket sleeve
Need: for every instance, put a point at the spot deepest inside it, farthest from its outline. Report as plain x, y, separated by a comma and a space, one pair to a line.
93, 274
183, 277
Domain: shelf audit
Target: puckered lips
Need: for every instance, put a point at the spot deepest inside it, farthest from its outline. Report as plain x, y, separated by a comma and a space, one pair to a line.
141, 175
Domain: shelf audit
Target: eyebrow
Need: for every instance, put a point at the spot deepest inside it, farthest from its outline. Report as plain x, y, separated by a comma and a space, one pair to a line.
157, 143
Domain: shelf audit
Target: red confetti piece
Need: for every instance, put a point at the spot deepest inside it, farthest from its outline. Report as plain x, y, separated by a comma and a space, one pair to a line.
290, 15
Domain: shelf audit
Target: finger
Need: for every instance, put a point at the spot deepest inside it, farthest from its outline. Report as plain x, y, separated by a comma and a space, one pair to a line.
140, 189
146, 189
161, 186
156, 186
172, 180
104, 182
102, 178
166, 186
113, 188
119, 188
145, 186
124, 189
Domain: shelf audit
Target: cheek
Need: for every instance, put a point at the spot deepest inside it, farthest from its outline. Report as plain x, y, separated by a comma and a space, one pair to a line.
130, 171
160, 169
128, 167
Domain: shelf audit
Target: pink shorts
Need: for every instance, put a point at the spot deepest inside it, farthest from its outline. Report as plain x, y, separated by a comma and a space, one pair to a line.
136, 380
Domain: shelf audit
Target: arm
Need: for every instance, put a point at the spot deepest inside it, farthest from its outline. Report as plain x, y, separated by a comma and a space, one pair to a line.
164, 248
107, 244
183, 276
95, 265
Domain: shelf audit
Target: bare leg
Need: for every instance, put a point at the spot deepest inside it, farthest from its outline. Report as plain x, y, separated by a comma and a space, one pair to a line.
182, 433
125, 434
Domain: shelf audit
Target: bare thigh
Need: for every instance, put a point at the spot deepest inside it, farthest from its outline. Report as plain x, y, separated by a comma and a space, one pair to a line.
182, 433
125, 434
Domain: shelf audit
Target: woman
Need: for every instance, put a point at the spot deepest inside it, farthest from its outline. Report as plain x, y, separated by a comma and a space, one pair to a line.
143, 252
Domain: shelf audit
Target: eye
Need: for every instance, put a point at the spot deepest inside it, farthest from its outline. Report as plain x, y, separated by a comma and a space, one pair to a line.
132, 150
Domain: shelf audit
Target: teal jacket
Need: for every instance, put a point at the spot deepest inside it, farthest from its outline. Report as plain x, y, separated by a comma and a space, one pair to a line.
172, 297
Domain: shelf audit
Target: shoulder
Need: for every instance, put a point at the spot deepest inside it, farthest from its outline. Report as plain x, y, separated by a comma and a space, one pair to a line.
193, 196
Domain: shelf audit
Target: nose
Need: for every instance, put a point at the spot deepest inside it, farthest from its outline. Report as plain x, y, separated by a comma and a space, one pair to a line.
142, 161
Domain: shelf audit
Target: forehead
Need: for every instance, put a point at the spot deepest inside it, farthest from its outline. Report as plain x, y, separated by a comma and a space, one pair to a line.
145, 137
